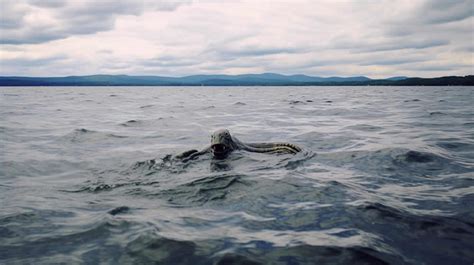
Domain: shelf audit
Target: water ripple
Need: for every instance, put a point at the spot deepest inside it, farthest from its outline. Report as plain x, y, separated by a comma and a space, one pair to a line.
385, 177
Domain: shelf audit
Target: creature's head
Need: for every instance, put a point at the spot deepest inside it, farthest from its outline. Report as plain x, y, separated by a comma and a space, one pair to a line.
221, 143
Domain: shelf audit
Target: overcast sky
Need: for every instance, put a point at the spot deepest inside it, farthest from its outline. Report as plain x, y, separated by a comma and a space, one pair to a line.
375, 38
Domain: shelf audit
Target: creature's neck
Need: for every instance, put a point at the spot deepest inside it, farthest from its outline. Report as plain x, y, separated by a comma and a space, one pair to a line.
236, 143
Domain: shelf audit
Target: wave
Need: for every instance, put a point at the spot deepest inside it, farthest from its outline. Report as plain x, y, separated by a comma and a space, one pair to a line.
364, 128
252, 251
423, 234
395, 161
135, 123
33, 168
130, 123
456, 145
119, 210
84, 135
207, 189
45, 245
380, 181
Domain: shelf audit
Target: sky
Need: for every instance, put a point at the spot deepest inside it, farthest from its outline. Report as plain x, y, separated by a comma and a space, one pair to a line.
374, 38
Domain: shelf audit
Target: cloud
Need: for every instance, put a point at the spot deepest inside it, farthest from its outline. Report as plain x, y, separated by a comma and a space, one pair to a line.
34, 61
38, 21
11, 15
374, 38
387, 45
48, 3
436, 67
257, 51
167, 61
393, 61
30, 65
431, 16
445, 11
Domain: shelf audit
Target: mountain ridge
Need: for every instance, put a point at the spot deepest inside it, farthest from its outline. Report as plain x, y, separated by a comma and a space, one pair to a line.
264, 79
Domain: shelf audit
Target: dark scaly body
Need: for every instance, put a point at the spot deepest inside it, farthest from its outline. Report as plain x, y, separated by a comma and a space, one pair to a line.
222, 144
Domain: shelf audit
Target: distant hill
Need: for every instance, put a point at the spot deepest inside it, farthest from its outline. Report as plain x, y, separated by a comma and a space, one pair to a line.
265, 79
396, 78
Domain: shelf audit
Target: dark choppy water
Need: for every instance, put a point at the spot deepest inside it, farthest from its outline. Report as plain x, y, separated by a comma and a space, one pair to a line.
386, 178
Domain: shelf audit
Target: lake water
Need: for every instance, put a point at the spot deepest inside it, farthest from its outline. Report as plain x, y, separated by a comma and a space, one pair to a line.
386, 176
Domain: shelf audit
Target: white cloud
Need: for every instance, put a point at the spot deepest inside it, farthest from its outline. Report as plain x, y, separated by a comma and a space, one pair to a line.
373, 38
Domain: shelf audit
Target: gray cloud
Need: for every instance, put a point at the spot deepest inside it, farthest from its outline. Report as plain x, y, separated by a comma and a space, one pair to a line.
70, 17
438, 68
244, 46
325, 62
167, 61
407, 38
433, 17
445, 11
11, 16
392, 44
393, 61
468, 49
410, 44
256, 51
30, 64
48, 3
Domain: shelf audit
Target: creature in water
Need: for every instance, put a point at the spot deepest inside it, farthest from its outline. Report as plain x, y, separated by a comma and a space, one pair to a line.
222, 144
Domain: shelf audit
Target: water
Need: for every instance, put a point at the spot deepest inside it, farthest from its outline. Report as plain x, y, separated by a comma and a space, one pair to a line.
387, 176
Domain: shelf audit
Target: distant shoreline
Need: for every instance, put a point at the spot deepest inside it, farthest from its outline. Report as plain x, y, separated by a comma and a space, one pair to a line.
267, 79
